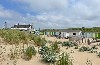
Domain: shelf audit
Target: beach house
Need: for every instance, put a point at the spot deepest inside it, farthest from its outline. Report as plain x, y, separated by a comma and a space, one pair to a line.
28, 27
63, 33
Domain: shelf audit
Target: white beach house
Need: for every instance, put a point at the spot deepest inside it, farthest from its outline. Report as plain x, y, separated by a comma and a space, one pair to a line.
28, 27
71, 33
64, 33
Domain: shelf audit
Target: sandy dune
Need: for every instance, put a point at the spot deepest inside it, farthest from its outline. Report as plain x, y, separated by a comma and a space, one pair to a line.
79, 58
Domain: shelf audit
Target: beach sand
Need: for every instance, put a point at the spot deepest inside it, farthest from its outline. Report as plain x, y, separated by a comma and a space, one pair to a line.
79, 58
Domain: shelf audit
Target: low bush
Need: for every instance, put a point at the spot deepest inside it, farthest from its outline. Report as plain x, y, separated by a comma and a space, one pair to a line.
83, 48
64, 59
49, 57
55, 47
94, 47
15, 36
69, 44
49, 54
76, 47
66, 44
91, 51
39, 41
29, 52
58, 42
99, 54
88, 62
43, 50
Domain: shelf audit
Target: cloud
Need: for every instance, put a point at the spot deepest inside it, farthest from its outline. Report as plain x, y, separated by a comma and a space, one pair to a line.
56, 13
8, 14
45, 5
69, 8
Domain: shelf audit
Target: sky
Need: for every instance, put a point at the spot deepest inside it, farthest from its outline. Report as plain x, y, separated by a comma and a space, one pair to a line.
50, 13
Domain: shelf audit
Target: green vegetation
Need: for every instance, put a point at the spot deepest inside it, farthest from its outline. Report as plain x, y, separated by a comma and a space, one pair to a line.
91, 49
43, 50
64, 59
99, 54
55, 47
88, 62
39, 41
83, 48
58, 42
94, 47
69, 44
14, 36
94, 29
29, 51
49, 56
76, 47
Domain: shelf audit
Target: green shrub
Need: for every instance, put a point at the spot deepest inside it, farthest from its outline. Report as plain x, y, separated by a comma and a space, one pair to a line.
69, 44
58, 42
43, 50
91, 51
14, 36
55, 47
76, 47
64, 59
49, 54
49, 41
66, 44
88, 62
29, 52
99, 54
49, 57
83, 48
94, 47
39, 41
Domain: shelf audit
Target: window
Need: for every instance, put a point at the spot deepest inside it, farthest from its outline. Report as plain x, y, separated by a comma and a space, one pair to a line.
74, 33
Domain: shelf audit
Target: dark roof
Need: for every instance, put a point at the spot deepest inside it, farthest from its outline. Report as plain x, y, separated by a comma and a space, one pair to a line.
69, 30
21, 26
60, 30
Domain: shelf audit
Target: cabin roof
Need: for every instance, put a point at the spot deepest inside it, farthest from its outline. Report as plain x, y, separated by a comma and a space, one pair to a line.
69, 30
60, 30
21, 26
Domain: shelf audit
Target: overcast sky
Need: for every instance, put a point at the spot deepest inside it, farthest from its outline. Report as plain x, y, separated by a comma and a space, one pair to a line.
50, 13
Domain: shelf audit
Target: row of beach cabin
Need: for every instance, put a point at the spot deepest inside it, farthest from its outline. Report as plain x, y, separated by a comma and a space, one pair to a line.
64, 33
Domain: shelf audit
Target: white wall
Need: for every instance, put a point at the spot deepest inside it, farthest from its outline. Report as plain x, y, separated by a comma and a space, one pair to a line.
64, 34
77, 33
57, 33
20, 28
70, 34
